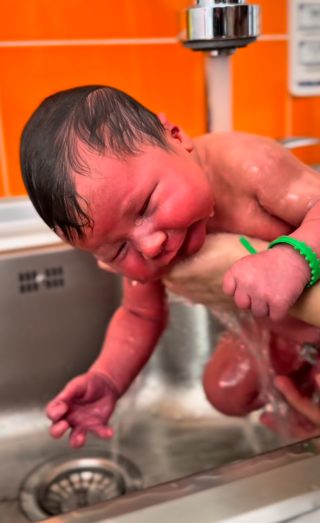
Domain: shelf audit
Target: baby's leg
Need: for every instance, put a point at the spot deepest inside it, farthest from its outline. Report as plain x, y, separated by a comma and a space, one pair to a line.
231, 380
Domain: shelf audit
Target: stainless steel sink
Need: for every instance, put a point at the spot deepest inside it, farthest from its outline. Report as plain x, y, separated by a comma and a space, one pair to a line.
54, 307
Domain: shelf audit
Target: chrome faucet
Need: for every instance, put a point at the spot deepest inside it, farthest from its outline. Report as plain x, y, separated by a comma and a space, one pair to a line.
220, 26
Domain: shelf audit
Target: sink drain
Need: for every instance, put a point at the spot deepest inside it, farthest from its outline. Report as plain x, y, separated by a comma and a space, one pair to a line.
68, 483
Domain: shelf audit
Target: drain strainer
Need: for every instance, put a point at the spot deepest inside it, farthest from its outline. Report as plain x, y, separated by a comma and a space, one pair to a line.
68, 483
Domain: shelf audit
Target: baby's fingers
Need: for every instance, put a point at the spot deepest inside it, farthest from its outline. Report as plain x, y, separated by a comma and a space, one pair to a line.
78, 437
102, 432
56, 409
76, 388
242, 299
58, 429
260, 308
229, 284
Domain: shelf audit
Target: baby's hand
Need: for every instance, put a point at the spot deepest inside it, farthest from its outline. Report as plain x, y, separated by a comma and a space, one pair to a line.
268, 283
84, 405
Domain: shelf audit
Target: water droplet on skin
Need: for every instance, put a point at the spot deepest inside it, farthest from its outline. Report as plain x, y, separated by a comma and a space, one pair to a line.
254, 169
292, 197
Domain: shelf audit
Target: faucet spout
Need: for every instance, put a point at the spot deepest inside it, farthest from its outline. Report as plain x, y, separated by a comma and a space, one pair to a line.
220, 26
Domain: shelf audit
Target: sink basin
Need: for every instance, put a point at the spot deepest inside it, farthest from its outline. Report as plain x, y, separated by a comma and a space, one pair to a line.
54, 307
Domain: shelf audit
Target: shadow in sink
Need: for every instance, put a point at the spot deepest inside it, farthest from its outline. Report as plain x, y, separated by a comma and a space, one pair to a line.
55, 305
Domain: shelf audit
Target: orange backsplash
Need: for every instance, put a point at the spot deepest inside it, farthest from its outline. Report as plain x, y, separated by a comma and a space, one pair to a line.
133, 45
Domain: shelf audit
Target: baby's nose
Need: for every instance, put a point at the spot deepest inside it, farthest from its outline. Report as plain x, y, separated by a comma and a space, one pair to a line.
151, 245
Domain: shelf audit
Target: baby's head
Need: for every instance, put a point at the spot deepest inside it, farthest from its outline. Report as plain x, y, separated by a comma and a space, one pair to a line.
112, 178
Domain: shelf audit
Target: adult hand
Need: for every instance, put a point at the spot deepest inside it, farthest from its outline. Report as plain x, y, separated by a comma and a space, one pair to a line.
303, 420
199, 279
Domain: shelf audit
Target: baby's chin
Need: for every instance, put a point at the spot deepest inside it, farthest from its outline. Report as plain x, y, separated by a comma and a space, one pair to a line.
153, 275
149, 278
164, 271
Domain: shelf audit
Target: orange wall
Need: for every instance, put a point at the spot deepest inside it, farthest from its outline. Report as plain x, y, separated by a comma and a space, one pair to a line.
132, 44
262, 102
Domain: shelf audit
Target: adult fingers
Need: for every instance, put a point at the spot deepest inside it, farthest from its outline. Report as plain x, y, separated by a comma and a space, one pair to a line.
280, 426
105, 266
296, 400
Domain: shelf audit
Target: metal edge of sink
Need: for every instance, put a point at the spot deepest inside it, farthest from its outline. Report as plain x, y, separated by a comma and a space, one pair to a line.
285, 483
21, 226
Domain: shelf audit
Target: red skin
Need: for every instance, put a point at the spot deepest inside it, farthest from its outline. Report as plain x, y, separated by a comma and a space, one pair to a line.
88, 401
141, 237
232, 378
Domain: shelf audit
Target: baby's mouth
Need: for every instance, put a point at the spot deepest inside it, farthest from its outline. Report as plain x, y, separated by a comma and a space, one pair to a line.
194, 240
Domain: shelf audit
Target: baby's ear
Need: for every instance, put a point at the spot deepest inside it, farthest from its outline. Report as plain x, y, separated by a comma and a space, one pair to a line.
176, 133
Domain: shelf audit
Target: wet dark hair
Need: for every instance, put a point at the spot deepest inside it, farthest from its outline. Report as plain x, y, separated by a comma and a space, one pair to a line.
105, 119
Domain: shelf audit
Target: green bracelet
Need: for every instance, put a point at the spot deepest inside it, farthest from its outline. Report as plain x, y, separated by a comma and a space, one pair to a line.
248, 245
304, 249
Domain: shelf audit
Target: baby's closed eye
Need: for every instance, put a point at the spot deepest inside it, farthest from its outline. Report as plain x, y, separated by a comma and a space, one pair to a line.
145, 206
120, 252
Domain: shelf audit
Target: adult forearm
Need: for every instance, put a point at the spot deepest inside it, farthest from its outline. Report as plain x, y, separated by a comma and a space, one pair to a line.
200, 279
307, 307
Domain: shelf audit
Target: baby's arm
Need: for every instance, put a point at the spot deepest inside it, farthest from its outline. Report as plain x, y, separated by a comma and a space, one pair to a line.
269, 283
87, 402
133, 333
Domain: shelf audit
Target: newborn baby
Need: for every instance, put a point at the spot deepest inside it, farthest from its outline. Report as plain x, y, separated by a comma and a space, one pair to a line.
112, 178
